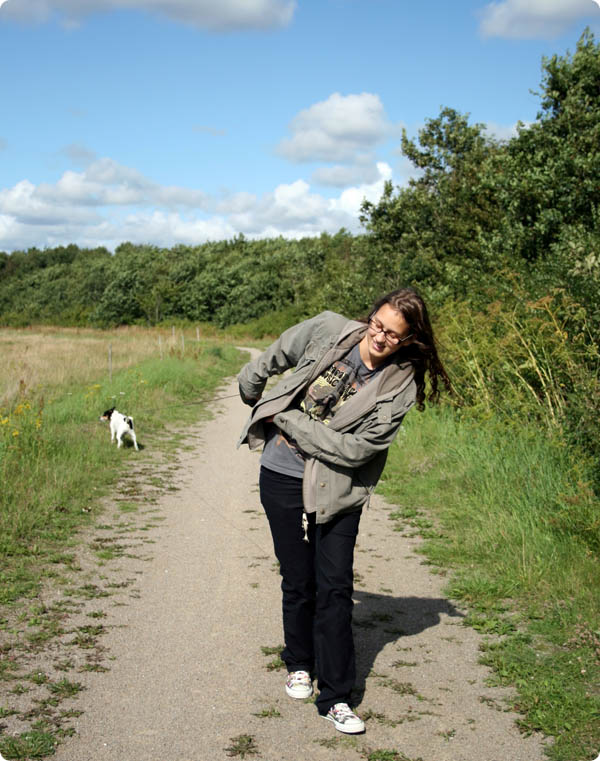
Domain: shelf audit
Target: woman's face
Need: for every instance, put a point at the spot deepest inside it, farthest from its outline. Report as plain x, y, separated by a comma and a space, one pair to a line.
385, 326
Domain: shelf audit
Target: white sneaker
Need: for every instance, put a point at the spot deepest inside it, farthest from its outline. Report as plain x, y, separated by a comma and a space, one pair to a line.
344, 719
299, 684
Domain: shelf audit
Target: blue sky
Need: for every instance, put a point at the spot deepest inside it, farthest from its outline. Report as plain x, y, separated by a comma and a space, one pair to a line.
181, 121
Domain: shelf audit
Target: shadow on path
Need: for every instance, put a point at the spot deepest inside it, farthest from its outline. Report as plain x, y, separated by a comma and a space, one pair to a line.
380, 619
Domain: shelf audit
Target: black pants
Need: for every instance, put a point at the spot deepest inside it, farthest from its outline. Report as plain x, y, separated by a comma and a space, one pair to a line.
317, 586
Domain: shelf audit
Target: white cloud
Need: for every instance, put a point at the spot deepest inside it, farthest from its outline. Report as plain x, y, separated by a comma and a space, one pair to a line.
167, 230
107, 204
106, 183
351, 199
27, 206
223, 15
291, 210
341, 176
524, 19
337, 129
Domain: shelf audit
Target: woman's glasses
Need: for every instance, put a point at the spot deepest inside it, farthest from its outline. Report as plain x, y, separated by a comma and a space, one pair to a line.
392, 338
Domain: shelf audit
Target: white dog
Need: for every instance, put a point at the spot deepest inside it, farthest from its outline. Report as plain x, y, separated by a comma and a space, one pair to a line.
119, 426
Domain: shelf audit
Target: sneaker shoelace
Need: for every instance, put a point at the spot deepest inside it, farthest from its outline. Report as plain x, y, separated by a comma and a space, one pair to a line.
298, 677
342, 711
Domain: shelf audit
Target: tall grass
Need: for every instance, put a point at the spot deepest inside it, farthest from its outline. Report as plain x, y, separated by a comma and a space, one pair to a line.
529, 361
516, 522
55, 456
532, 352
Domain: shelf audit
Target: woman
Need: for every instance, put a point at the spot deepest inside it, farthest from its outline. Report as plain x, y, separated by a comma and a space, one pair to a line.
326, 429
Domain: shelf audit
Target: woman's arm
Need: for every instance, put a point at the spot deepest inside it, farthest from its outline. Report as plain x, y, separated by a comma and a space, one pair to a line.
286, 352
350, 450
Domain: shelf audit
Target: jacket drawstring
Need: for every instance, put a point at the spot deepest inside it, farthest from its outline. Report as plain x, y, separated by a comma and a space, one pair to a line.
305, 526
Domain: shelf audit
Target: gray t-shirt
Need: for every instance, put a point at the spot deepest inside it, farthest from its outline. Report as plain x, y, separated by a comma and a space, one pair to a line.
323, 399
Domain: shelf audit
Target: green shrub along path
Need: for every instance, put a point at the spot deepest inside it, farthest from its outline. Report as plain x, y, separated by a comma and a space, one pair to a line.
170, 637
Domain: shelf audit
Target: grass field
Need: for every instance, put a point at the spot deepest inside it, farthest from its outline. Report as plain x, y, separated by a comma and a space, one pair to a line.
35, 359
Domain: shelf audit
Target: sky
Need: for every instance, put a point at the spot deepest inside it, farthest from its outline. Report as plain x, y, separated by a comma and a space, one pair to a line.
183, 121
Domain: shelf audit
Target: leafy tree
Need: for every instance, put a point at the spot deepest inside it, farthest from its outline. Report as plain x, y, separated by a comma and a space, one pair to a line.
432, 229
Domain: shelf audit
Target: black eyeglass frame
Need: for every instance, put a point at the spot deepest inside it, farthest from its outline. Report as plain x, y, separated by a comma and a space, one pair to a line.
388, 335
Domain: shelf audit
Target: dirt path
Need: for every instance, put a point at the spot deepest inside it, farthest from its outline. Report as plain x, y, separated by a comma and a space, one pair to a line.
189, 675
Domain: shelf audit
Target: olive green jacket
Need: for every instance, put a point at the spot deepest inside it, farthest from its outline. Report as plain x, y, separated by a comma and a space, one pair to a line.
345, 458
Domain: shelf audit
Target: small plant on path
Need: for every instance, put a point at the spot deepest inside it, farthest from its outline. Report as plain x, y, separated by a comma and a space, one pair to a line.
384, 754
268, 713
275, 665
32, 744
271, 650
242, 745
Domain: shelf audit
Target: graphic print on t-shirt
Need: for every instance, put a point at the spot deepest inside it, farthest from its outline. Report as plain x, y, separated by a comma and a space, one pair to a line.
331, 389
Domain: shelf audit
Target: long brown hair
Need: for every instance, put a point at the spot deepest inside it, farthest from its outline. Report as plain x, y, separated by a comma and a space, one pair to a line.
422, 351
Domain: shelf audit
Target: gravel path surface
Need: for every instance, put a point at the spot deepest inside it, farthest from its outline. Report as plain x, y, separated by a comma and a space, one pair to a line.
189, 676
